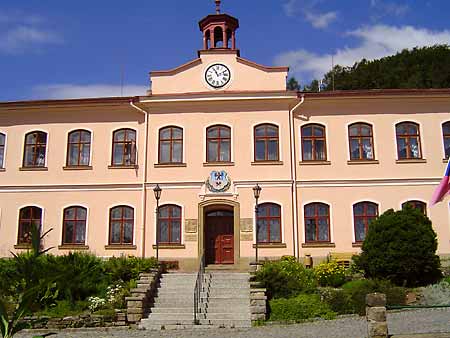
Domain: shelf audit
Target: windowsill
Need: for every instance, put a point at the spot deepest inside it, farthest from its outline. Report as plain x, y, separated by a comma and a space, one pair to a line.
80, 167
22, 246
351, 162
218, 164
73, 247
170, 246
2, 169
120, 247
169, 165
33, 169
314, 163
267, 163
133, 166
444, 160
270, 245
411, 160
357, 244
318, 245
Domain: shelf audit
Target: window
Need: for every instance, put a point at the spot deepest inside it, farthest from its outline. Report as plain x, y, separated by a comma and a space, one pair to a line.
218, 140
417, 205
268, 221
361, 142
2, 149
121, 222
170, 145
35, 148
169, 224
79, 148
363, 214
124, 147
74, 225
313, 143
266, 143
446, 136
29, 217
408, 141
317, 222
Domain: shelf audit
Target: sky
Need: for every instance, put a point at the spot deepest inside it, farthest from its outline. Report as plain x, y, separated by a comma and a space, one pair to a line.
57, 49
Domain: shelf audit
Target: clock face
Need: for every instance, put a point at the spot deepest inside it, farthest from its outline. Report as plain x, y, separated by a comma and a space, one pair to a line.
217, 75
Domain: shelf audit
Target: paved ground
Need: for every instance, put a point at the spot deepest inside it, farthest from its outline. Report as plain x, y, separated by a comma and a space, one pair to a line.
400, 323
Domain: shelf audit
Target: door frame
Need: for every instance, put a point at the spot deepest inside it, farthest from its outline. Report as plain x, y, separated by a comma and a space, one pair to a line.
202, 206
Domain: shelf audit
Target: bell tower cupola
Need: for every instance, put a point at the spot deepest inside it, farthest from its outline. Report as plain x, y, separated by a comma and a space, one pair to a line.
219, 30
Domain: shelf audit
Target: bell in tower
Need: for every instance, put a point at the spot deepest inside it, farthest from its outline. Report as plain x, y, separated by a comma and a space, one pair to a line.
219, 30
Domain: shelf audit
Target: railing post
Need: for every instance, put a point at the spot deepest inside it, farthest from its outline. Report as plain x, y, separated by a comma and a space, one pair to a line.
376, 315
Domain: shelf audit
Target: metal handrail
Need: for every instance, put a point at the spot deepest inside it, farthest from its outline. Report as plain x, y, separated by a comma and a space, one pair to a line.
198, 288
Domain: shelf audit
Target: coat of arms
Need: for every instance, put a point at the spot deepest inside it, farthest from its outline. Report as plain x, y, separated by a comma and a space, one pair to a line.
218, 181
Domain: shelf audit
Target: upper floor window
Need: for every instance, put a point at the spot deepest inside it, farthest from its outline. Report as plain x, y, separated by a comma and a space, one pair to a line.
29, 217
124, 147
268, 221
74, 225
169, 224
79, 148
361, 141
2, 149
171, 145
446, 136
266, 143
313, 143
317, 222
363, 214
35, 149
417, 205
218, 144
408, 141
121, 222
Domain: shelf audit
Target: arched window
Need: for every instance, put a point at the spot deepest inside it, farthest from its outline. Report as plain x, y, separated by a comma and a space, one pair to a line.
74, 225
124, 147
218, 144
266, 143
121, 223
2, 150
218, 37
35, 149
416, 205
268, 221
79, 148
408, 141
313, 143
446, 137
361, 141
317, 222
169, 224
29, 217
363, 214
170, 145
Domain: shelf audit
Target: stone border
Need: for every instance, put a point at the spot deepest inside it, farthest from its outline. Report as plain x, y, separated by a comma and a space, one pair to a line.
376, 315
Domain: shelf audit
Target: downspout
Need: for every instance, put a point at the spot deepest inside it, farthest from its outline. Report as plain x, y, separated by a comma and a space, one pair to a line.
294, 177
144, 178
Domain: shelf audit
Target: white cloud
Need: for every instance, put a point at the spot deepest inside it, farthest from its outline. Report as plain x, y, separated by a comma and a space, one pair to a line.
318, 20
374, 42
308, 9
20, 38
71, 91
385, 8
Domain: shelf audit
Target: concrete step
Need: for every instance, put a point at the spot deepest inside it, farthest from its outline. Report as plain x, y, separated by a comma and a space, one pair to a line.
175, 316
160, 309
226, 309
147, 326
228, 316
230, 323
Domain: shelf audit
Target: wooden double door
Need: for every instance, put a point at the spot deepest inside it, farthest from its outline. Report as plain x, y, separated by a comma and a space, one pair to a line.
219, 237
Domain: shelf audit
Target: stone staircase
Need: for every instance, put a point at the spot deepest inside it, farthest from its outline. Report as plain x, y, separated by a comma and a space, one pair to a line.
225, 302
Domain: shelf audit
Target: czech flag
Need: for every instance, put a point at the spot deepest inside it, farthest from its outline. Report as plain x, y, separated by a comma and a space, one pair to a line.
443, 187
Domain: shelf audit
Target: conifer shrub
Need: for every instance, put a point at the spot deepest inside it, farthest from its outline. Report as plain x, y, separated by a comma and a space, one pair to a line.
400, 246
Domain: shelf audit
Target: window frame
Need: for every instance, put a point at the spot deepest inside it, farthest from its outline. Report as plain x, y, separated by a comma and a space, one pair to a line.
444, 137
365, 217
36, 144
170, 219
3, 150
75, 220
360, 138
316, 217
313, 140
266, 138
171, 142
79, 143
407, 138
416, 204
20, 233
122, 226
124, 142
219, 140
267, 217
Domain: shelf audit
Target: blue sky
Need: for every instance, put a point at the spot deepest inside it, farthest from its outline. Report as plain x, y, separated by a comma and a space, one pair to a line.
68, 49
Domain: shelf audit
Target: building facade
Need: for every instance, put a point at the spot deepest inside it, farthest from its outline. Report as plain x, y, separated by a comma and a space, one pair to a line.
207, 132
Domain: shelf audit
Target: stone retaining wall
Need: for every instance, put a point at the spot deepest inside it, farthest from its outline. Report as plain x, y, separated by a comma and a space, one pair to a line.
258, 306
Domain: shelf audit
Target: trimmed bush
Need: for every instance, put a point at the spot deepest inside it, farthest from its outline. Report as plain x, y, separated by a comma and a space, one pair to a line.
401, 246
337, 299
299, 308
128, 268
330, 274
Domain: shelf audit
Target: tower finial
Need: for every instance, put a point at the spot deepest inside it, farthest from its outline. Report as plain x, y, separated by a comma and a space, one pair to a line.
218, 6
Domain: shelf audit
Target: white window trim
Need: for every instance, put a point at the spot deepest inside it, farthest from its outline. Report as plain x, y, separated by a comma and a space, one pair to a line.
183, 157
87, 222
373, 138
302, 212
67, 144
421, 138
205, 128
3, 166
300, 145
47, 145
182, 220
353, 216
252, 140
282, 218
108, 227
111, 138
18, 218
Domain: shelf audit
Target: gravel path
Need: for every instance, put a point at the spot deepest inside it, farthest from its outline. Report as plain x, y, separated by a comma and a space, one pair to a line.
405, 322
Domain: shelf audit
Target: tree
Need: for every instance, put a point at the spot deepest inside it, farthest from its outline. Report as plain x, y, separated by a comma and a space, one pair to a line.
293, 84
401, 246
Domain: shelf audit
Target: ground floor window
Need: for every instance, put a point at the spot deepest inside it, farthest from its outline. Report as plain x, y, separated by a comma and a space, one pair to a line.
29, 217
74, 225
121, 221
317, 222
169, 224
363, 214
268, 221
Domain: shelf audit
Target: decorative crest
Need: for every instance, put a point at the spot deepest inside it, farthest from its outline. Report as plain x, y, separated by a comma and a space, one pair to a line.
218, 181
218, 6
